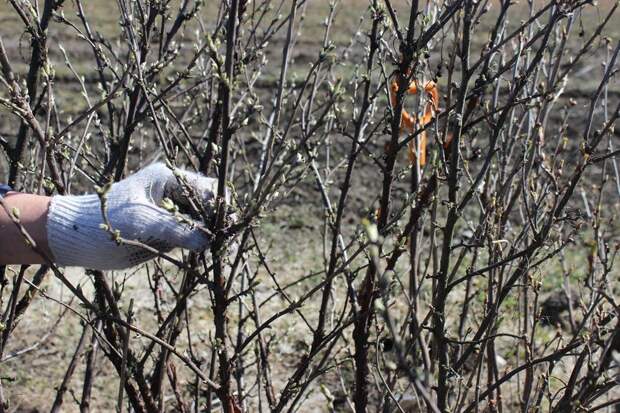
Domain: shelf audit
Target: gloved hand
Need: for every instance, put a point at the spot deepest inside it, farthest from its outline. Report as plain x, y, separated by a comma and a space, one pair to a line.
76, 236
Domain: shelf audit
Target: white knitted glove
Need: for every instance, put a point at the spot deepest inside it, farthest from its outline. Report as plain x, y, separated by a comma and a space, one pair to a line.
77, 237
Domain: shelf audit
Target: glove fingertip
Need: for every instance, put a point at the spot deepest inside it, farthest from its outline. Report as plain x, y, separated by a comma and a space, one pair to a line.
195, 240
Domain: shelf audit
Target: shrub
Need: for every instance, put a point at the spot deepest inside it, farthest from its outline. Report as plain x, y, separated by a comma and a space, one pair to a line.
417, 248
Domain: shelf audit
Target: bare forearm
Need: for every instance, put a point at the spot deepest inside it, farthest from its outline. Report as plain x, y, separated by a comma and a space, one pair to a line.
14, 249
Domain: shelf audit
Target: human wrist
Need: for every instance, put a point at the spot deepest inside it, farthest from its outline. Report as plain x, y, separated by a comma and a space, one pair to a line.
19, 214
74, 230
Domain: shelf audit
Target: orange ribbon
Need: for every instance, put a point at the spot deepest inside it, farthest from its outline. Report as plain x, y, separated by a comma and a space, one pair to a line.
408, 121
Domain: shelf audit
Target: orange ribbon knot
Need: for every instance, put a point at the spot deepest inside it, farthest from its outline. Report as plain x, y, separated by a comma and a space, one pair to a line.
409, 121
